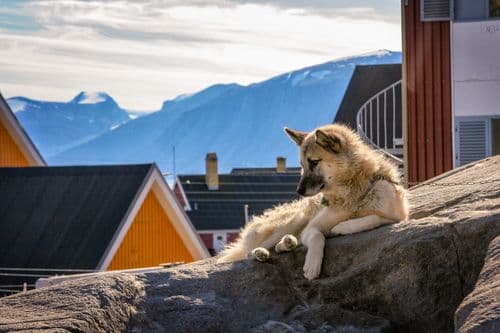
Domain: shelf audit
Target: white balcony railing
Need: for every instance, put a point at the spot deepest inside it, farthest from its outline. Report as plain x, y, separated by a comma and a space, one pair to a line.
379, 122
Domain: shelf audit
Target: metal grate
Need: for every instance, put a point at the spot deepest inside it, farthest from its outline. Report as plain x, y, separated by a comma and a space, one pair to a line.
472, 141
435, 10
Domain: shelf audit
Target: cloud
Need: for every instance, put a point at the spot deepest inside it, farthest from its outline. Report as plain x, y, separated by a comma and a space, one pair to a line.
143, 52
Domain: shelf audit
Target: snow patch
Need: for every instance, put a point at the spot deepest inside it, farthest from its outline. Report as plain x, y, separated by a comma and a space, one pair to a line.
17, 105
320, 74
133, 116
92, 98
299, 77
114, 126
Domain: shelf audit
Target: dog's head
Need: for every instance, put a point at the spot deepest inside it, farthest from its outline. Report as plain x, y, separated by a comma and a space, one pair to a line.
323, 157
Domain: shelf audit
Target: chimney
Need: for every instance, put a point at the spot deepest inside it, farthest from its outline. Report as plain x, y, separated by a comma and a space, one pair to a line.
211, 176
280, 164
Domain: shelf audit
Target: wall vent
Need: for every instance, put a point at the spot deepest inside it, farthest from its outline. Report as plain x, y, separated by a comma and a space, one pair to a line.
435, 10
472, 141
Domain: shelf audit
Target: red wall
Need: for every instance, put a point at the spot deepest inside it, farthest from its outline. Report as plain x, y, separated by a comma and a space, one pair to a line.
428, 88
208, 240
232, 236
178, 195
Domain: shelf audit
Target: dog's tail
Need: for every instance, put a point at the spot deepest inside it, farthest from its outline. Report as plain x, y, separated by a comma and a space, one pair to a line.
239, 250
233, 252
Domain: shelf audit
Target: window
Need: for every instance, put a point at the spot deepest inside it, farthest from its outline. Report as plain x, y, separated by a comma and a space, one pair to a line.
477, 138
465, 10
494, 8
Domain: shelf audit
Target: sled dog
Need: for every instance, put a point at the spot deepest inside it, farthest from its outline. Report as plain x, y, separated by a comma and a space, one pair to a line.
346, 187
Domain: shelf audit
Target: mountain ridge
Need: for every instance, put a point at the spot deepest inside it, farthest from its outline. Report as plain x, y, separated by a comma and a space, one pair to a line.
242, 123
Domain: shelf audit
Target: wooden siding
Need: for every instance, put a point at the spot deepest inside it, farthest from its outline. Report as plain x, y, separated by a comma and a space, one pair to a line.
10, 153
151, 240
428, 95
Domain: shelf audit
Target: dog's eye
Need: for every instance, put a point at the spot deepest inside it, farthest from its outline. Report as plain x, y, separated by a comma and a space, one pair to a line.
313, 163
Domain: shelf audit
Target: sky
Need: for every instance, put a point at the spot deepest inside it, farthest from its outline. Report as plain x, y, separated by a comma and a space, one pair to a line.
143, 52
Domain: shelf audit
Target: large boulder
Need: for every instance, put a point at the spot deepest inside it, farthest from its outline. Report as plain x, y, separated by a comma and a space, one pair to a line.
480, 310
406, 277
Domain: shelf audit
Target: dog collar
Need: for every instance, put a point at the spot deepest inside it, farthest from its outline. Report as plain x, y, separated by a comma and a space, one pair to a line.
325, 202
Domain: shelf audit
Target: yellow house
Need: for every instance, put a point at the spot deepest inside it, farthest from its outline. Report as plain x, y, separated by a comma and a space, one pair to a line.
16, 148
92, 218
70, 219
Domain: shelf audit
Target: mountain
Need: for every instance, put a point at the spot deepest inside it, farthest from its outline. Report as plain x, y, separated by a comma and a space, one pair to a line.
243, 124
58, 126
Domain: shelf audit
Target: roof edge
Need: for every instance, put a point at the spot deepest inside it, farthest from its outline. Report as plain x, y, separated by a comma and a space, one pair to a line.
183, 193
28, 148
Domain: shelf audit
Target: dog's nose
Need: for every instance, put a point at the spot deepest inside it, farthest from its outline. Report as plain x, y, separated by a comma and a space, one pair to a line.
301, 190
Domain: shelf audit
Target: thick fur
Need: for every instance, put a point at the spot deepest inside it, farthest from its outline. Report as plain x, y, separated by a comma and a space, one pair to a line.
360, 185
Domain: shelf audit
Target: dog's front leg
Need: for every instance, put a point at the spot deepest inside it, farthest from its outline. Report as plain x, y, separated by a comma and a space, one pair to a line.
314, 239
360, 224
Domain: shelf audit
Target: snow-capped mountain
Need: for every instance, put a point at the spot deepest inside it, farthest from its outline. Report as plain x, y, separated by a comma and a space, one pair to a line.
58, 126
243, 124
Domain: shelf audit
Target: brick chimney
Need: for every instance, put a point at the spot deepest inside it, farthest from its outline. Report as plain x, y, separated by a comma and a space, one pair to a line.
280, 164
211, 176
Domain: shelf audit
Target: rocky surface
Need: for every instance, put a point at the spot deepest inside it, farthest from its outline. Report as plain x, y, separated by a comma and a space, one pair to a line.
90, 305
480, 310
407, 277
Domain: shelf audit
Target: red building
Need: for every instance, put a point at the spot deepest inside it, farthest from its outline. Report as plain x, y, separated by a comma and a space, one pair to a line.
451, 80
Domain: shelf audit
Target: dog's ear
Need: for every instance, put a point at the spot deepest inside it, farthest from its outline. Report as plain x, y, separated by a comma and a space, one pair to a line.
296, 136
328, 142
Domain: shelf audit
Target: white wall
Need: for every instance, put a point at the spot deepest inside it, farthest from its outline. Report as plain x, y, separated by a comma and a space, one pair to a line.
476, 68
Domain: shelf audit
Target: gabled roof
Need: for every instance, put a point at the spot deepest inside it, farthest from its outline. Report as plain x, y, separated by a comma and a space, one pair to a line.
223, 209
75, 217
17, 132
366, 81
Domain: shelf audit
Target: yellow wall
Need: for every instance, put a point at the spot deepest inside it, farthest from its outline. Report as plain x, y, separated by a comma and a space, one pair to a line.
151, 240
10, 154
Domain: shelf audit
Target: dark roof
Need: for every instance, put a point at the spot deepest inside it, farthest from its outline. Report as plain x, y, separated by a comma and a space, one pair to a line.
261, 171
63, 217
224, 208
366, 81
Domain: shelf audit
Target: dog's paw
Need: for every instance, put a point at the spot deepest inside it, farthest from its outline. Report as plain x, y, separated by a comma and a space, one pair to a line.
341, 229
312, 268
286, 244
260, 254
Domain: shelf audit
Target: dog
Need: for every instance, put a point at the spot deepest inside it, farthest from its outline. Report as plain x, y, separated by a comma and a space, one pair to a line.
346, 187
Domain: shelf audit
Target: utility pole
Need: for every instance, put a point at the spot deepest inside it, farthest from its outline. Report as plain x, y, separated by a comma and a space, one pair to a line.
245, 207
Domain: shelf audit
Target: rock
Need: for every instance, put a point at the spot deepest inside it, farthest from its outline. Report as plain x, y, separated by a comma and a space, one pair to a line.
88, 305
407, 277
480, 310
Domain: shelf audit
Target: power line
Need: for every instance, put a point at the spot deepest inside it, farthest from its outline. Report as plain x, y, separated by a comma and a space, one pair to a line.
10, 291
15, 285
47, 269
24, 275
